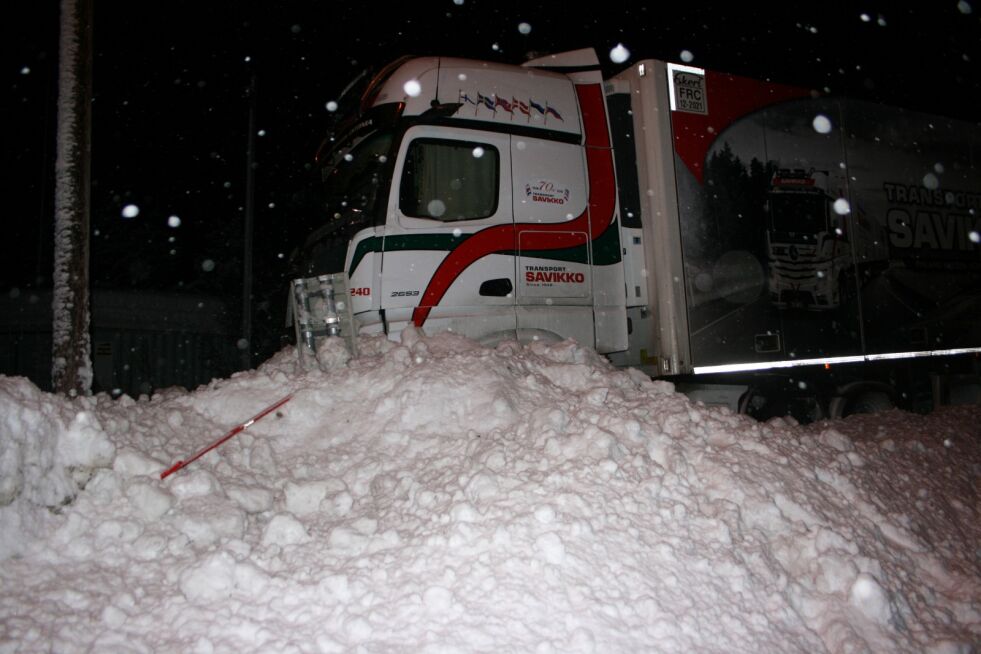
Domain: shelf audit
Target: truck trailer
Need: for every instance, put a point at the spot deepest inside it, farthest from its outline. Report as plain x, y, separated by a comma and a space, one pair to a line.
764, 247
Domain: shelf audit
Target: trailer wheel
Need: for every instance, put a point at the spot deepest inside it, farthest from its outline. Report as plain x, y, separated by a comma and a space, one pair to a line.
869, 402
757, 404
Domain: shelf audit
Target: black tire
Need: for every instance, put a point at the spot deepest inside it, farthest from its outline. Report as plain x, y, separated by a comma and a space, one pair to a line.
804, 409
870, 402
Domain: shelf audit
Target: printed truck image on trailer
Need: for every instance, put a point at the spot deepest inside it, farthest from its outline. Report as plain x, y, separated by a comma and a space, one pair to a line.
806, 250
815, 252
677, 220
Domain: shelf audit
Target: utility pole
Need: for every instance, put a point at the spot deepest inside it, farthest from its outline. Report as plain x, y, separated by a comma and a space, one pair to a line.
249, 229
71, 363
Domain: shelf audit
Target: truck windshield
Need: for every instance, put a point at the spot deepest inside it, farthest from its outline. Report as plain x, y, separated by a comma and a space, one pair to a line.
353, 178
354, 183
798, 212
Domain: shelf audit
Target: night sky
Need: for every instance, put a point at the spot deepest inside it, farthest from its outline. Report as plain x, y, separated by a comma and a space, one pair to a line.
171, 108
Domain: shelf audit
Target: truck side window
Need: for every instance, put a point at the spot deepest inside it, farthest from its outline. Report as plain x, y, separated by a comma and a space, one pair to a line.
449, 180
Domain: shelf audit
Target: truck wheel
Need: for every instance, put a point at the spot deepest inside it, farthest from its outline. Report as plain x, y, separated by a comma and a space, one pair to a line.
804, 409
869, 402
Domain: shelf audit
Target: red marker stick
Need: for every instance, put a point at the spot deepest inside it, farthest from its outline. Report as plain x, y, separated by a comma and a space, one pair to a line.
235, 430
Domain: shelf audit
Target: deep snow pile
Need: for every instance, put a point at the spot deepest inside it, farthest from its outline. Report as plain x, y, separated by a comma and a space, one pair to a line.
436, 496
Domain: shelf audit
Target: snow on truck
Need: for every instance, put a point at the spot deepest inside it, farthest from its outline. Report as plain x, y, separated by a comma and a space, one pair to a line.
762, 247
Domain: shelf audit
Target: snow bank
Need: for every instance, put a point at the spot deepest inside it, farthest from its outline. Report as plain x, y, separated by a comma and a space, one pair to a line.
436, 496
49, 448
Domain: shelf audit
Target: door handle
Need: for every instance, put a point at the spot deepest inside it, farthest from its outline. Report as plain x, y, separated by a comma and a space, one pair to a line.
496, 287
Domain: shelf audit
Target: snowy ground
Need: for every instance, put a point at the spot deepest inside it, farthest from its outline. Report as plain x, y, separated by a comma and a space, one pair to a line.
433, 496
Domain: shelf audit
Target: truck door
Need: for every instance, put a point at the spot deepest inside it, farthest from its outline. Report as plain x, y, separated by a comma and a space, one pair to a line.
450, 184
554, 286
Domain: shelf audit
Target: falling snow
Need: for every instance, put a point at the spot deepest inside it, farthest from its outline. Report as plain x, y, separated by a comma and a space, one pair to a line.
619, 54
821, 124
412, 88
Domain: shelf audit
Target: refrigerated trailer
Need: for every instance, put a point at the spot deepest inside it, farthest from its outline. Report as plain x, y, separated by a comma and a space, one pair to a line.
762, 246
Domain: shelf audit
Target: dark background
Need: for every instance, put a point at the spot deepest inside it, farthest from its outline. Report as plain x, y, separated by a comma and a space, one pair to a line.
170, 108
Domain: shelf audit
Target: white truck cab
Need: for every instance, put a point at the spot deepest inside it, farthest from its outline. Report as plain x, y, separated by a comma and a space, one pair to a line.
479, 198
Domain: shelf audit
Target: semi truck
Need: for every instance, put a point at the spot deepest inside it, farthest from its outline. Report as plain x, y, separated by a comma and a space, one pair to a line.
764, 247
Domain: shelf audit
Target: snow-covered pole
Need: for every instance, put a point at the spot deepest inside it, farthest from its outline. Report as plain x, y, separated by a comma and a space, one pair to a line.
242, 426
71, 360
249, 229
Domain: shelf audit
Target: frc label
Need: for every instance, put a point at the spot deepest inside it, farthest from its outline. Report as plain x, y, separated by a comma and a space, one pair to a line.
688, 90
